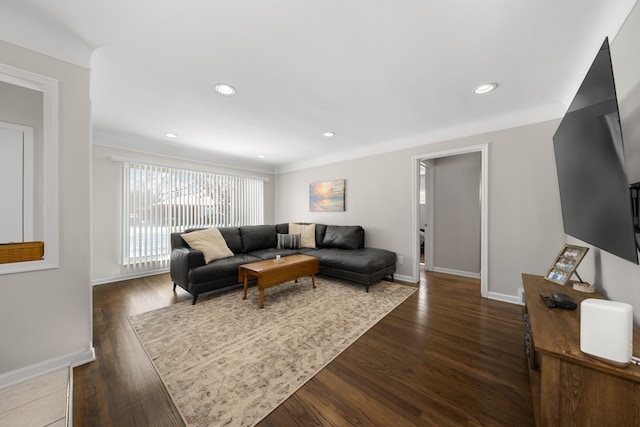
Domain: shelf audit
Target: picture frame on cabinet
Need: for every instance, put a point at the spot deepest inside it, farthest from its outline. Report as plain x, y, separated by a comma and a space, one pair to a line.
565, 264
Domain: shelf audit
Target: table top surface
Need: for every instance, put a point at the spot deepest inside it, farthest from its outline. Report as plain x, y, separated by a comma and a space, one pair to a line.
285, 261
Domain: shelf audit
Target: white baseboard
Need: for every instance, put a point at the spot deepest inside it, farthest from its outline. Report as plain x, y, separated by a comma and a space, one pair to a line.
128, 276
512, 299
70, 360
456, 272
402, 278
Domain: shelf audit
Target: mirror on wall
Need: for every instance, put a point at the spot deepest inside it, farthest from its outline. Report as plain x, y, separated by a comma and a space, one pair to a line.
28, 171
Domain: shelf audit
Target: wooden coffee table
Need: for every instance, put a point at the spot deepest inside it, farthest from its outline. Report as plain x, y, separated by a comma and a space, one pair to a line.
271, 273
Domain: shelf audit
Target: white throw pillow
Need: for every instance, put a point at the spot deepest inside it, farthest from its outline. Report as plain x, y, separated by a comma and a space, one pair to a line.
307, 234
210, 242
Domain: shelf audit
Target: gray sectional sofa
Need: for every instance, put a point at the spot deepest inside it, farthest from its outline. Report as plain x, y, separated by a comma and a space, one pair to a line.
340, 249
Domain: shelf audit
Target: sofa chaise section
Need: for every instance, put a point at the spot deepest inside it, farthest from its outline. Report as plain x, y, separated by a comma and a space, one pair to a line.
362, 265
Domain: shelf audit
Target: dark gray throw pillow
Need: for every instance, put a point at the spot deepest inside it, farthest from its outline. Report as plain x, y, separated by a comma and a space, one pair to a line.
288, 241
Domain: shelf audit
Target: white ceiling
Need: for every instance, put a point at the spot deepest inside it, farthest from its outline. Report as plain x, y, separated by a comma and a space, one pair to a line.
382, 75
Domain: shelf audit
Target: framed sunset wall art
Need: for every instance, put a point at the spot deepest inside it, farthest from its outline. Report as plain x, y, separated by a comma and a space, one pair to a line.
326, 196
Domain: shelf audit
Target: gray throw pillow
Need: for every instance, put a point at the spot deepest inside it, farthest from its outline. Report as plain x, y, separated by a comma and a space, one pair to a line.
288, 241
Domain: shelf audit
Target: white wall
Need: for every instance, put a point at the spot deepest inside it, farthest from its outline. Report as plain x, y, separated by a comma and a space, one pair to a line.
46, 316
107, 190
616, 278
377, 196
525, 220
456, 225
525, 223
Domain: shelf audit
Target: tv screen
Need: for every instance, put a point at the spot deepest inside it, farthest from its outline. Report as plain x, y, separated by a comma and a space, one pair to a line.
594, 189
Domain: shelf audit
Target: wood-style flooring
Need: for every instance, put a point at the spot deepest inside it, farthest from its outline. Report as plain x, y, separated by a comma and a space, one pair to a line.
444, 357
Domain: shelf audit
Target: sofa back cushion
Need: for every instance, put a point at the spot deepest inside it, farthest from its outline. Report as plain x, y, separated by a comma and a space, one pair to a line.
321, 229
177, 241
343, 237
256, 237
232, 236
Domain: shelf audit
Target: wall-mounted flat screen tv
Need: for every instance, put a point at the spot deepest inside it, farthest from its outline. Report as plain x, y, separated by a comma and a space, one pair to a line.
594, 189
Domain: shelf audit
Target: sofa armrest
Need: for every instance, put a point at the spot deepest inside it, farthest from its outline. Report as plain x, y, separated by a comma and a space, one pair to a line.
182, 260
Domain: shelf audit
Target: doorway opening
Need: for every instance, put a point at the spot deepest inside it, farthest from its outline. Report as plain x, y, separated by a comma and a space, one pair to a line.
424, 163
426, 213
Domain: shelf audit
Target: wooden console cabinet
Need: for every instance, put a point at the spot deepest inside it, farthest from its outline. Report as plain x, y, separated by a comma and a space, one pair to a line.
570, 388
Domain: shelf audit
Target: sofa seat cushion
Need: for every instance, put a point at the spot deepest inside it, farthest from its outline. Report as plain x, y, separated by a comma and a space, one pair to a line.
227, 267
364, 260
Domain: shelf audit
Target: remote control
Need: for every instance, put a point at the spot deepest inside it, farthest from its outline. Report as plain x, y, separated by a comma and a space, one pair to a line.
548, 300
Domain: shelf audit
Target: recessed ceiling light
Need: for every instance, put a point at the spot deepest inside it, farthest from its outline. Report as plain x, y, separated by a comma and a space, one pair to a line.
261, 156
328, 134
170, 135
485, 88
225, 90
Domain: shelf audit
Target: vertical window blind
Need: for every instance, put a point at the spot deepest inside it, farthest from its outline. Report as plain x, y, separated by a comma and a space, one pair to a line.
159, 200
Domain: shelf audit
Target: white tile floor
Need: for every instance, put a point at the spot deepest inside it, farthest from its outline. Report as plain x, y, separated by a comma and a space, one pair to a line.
37, 402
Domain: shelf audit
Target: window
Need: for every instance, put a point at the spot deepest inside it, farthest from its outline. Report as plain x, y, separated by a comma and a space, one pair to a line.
159, 200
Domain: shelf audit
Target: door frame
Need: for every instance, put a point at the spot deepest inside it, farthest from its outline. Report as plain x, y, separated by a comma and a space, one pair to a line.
429, 188
484, 203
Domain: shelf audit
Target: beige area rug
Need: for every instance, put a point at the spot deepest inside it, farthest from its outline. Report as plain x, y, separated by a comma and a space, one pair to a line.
226, 362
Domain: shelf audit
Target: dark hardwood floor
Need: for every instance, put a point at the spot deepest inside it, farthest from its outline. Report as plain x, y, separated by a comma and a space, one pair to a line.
445, 357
